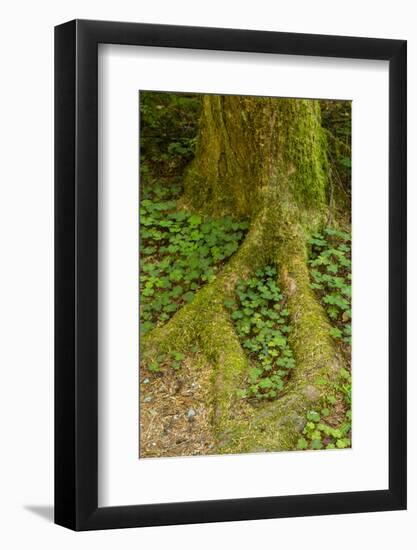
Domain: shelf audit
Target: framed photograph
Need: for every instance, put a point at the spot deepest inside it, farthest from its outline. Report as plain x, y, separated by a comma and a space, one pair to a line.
230, 285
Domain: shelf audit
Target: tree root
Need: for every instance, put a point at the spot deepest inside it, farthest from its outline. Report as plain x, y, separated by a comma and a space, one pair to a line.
206, 322
270, 426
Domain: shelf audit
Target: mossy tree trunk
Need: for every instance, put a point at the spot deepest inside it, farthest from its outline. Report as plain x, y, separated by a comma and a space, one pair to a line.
251, 150
262, 159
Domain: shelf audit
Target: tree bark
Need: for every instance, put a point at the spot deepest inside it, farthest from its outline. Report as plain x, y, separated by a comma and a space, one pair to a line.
250, 148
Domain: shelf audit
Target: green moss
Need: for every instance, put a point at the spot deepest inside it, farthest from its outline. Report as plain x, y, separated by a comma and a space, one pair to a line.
205, 322
310, 339
216, 180
263, 158
303, 148
276, 426
271, 426
252, 147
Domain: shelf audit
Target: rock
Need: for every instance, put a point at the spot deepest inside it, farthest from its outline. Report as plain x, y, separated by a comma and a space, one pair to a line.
298, 422
293, 420
191, 414
147, 399
146, 381
311, 393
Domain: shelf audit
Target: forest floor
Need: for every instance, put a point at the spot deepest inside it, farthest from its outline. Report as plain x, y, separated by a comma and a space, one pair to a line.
176, 390
182, 252
175, 412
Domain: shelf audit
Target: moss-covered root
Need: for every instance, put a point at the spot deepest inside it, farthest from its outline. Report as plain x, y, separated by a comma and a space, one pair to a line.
191, 322
224, 352
206, 323
317, 357
276, 426
273, 426
313, 347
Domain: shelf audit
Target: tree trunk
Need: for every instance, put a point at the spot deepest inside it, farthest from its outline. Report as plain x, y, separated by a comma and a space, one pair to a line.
250, 148
262, 159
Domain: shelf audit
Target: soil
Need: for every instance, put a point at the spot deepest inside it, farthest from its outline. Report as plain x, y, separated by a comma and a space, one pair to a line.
175, 411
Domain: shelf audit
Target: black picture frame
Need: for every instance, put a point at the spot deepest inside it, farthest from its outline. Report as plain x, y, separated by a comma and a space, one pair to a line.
76, 272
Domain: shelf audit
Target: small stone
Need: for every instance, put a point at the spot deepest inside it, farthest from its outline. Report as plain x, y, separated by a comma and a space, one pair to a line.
146, 381
294, 421
191, 414
147, 399
298, 422
311, 393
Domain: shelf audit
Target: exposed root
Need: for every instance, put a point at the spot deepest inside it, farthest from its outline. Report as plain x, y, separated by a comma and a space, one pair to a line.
239, 426
193, 320
276, 426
